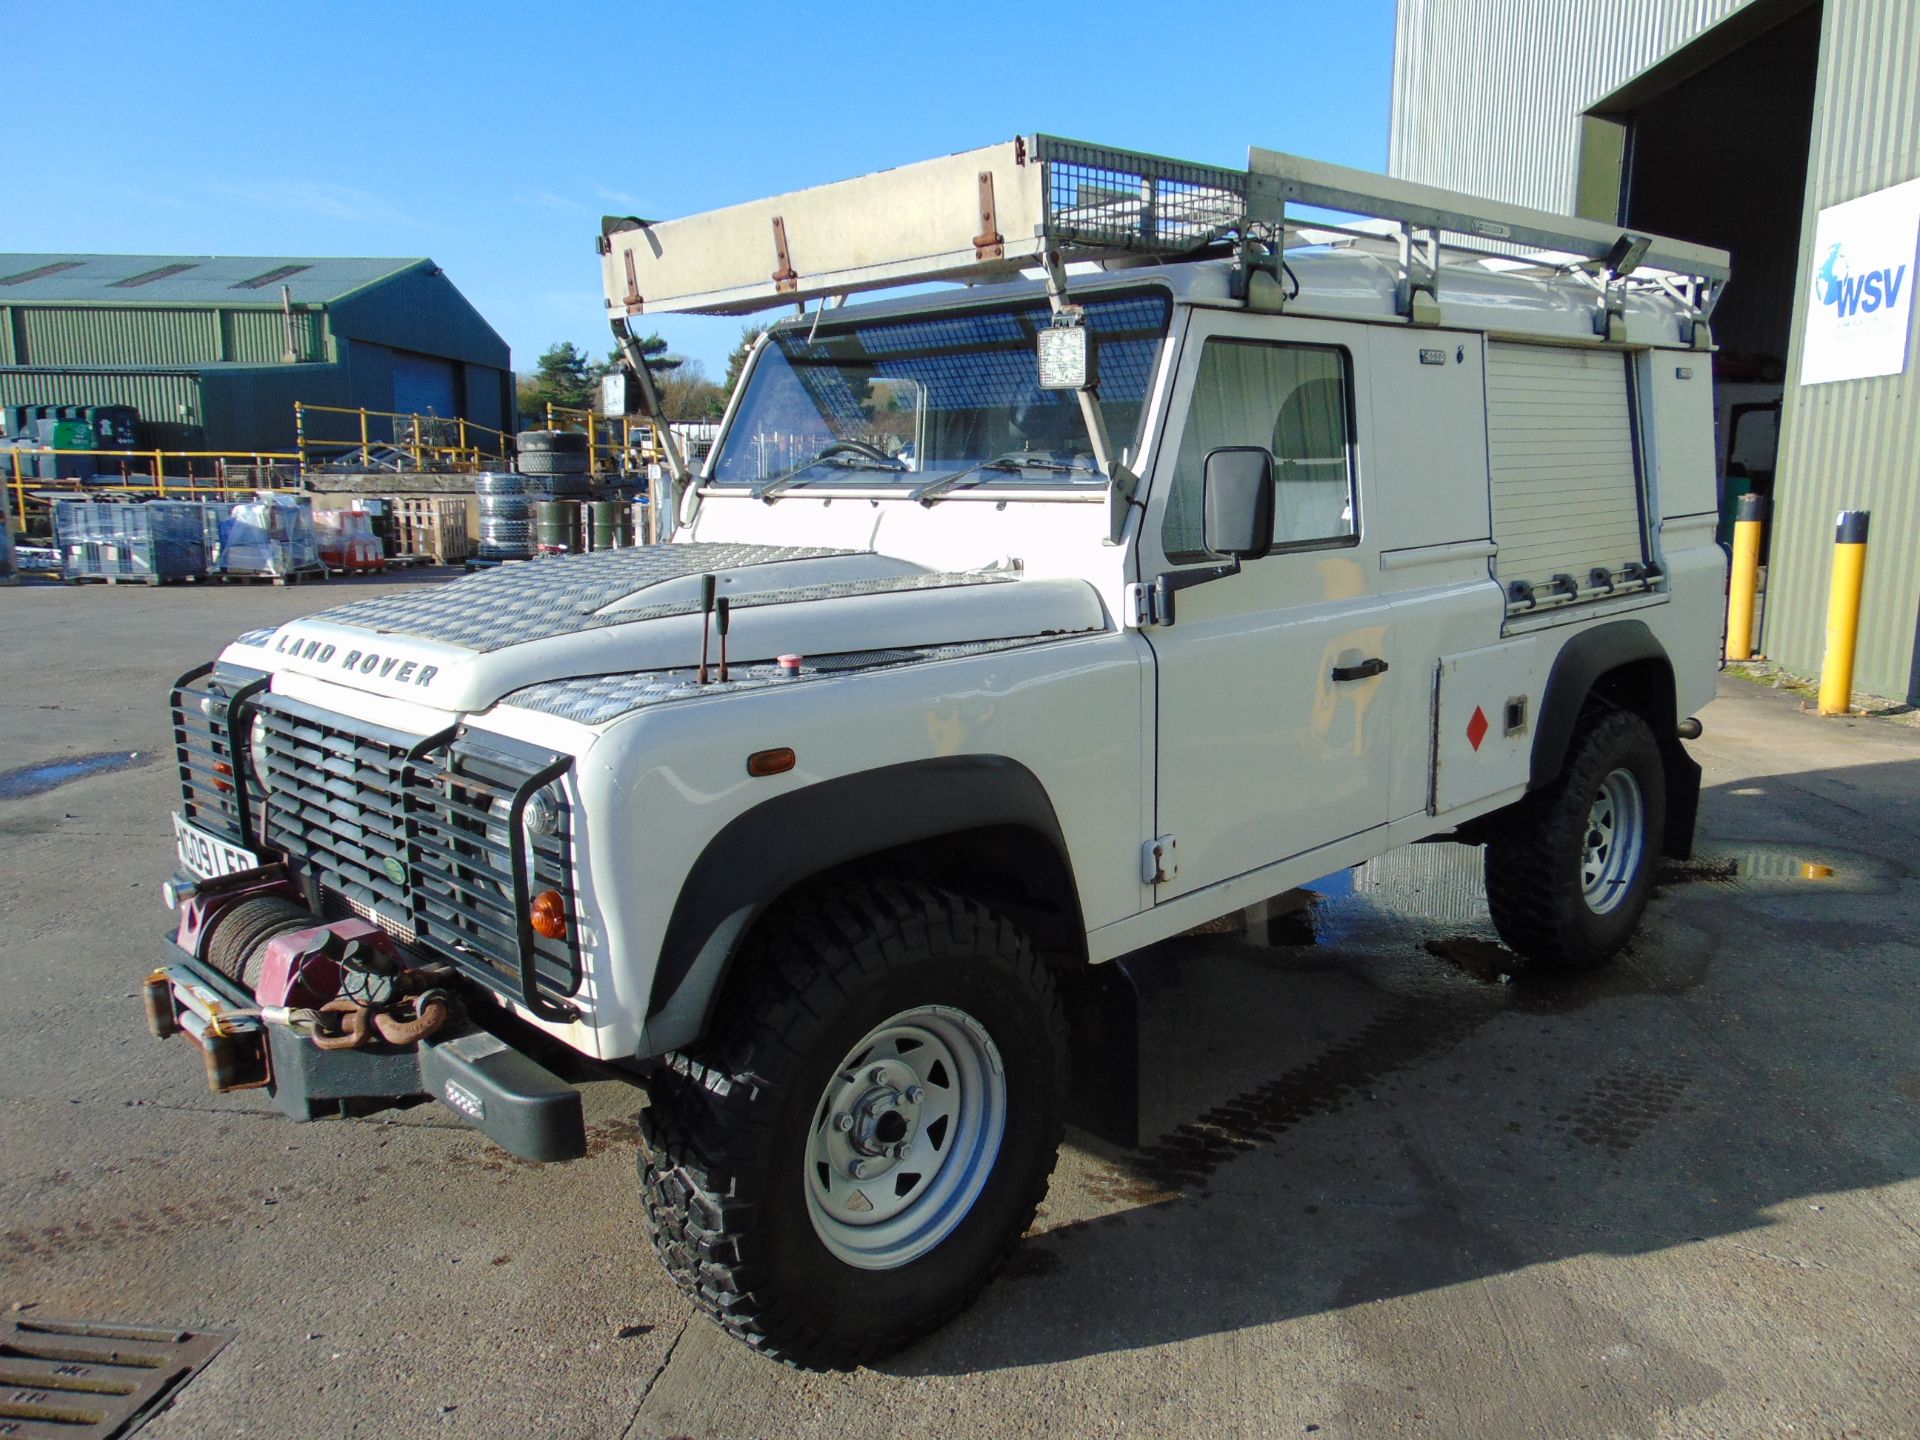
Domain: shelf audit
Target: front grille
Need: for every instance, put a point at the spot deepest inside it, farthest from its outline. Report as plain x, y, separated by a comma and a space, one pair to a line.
334, 802
462, 867
210, 779
413, 834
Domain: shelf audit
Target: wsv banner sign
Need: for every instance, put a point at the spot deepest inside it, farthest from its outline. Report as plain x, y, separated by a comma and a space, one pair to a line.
1859, 297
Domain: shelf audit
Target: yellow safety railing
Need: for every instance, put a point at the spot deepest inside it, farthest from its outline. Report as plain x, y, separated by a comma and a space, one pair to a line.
431, 442
142, 475
610, 439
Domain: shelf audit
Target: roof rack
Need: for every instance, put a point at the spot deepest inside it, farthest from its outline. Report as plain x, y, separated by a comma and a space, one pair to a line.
1041, 200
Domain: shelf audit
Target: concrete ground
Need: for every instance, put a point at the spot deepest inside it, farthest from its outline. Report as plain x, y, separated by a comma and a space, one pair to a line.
1396, 1190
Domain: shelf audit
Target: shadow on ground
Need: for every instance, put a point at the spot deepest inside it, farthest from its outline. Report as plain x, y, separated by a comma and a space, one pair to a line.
1394, 1104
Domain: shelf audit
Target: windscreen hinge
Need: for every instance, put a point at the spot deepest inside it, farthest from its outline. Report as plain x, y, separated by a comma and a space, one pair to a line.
1141, 612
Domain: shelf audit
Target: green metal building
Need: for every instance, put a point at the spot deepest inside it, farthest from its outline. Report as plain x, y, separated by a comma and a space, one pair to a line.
1785, 131
215, 350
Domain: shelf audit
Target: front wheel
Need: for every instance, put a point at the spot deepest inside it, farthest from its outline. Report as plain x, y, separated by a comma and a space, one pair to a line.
1570, 868
842, 1167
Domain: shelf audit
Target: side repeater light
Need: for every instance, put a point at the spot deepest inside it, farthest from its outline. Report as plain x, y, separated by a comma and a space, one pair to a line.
770, 762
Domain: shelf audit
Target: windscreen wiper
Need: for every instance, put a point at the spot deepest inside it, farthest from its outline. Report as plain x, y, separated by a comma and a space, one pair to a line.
1016, 462
798, 475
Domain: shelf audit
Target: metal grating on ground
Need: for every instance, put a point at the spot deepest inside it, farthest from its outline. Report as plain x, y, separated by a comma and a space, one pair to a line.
88, 1381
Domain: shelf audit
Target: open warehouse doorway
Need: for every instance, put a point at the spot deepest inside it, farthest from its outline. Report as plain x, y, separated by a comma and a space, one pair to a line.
1711, 145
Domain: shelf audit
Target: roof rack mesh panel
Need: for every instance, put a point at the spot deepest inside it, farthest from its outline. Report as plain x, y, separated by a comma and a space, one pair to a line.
1116, 198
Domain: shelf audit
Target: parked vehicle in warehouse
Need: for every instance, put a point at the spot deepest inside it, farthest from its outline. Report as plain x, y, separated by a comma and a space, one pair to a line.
1230, 553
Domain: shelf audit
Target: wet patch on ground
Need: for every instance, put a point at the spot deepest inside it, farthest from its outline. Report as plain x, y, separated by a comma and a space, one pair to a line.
1776, 868
1029, 1261
1621, 1106
1412, 927
29, 780
1184, 1159
1479, 959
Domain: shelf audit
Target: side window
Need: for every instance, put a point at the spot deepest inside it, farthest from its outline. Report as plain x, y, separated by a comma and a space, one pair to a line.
1292, 399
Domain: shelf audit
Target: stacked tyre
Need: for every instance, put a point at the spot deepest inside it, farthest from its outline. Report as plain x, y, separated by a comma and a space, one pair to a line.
558, 458
506, 520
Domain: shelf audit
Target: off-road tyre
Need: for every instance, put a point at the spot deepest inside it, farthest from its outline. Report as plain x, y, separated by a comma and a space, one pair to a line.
725, 1140
551, 442
550, 466
1538, 848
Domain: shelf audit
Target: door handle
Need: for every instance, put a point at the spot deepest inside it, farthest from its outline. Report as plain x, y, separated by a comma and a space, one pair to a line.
1366, 669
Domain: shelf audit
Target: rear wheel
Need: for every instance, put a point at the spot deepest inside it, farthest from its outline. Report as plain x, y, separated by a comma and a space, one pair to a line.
840, 1170
1569, 868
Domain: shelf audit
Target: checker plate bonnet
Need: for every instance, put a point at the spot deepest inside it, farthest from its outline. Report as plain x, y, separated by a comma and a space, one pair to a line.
464, 645
518, 603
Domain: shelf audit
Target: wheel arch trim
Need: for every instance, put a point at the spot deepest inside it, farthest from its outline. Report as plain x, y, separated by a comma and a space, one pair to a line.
1582, 667
781, 843
1582, 663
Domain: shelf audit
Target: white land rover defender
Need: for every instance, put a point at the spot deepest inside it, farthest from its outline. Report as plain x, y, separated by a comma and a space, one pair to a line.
1006, 630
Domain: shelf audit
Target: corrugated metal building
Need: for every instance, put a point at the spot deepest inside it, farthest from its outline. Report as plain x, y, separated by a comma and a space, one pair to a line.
214, 350
1735, 123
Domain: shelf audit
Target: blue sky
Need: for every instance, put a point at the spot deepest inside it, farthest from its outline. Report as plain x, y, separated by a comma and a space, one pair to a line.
493, 136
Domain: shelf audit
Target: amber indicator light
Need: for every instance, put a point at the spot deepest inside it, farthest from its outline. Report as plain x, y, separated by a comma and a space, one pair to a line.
770, 762
549, 915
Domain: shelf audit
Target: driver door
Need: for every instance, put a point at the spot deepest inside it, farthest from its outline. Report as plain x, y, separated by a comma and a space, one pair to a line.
1273, 726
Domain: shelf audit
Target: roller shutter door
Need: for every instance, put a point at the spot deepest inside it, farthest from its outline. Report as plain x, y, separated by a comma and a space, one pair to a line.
1560, 447
423, 385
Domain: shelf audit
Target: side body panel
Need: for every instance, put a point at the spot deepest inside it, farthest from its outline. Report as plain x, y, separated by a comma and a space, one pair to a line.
1436, 545
659, 786
1483, 707
1677, 390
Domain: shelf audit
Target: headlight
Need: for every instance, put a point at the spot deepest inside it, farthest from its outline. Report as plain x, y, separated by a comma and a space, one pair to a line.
540, 817
257, 750
542, 814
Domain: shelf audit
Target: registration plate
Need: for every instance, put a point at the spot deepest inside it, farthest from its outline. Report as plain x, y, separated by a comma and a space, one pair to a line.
208, 856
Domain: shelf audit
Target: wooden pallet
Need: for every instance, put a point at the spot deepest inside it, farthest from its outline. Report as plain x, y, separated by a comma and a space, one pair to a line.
268, 577
408, 562
431, 525
141, 580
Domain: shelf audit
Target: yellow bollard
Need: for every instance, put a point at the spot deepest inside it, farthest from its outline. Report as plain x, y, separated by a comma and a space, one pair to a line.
1749, 521
1843, 611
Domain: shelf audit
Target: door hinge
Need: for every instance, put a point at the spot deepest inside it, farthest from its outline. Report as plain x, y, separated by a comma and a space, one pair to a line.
1142, 611
1158, 862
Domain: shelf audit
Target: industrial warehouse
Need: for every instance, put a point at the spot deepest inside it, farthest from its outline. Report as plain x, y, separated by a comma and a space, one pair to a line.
282, 417
1786, 132
1224, 744
213, 351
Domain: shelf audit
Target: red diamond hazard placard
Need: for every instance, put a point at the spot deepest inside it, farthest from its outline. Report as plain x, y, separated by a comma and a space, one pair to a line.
1477, 727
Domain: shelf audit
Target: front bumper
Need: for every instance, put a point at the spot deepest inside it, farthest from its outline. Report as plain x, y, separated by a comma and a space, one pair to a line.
511, 1098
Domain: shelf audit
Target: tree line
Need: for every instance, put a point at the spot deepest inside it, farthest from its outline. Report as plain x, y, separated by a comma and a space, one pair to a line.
568, 378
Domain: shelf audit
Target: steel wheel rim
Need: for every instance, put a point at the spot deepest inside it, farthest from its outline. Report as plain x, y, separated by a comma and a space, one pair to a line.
1615, 840
929, 1079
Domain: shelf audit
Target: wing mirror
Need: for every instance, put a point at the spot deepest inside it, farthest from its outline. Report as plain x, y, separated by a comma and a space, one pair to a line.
1239, 501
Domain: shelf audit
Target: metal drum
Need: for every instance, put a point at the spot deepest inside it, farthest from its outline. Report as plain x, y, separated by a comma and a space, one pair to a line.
612, 524
556, 527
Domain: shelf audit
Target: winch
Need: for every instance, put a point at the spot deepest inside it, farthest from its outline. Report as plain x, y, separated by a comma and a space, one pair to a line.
330, 1016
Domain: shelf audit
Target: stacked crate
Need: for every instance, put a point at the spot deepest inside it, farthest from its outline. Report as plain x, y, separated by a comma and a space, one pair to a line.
431, 525
272, 537
151, 542
347, 541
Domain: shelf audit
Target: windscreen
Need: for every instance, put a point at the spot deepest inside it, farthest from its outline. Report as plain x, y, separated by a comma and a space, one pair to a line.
953, 396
